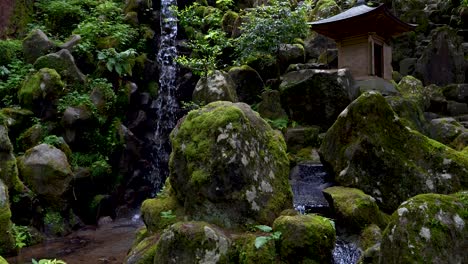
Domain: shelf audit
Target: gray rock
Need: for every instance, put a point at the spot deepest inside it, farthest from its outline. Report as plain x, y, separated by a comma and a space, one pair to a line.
7, 242
317, 97
270, 106
445, 129
72, 42
442, 62
456, 108
290, 54
376, 84
8, 166
36, 44
64, 63
301, 137
46, 170
218, 86
248, 83
76, 120
407, 66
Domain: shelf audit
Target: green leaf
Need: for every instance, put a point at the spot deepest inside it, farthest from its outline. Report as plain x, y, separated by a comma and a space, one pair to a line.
118, 69
260, 241
167, 214
276, 235
264, 228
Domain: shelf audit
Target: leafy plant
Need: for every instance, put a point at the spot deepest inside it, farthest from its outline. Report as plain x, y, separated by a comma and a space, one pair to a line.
14, 74
60, 16
262, 240
48, 261
168, 215
75, 99
55, 221
279, 123
22, 236
266, 27
52, 140
120, 62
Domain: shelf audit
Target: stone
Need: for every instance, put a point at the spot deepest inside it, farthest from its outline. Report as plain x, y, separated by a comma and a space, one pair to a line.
64, 63
317, 97
45, 169
40, 92
185, 242
409, 111
407, 66
371, 149
36, 44
71, 42
305, 238
16, 119
377, 84
143, 252
445, 129
412, 88
442, 61
7, 242
217, 86
461, 141
324, 9
300, 137
8, 166
290, 54
315, 44
248, 83
270, 106
228, 167
306, 66
354, 209
427, 228
456, 108
76, 120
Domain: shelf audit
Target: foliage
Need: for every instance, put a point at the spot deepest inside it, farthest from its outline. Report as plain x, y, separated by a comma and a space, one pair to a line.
52, 140
266, 27
14, 75
22, 236
9, 50
60, 16
48, 261
262, 240
279, 123
464, 3
75, 99
55, 221
100, 168
120, 62
107, 92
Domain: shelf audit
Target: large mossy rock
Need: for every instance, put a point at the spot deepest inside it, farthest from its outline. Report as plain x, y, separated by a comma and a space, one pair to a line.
316, 97
248, 83
8, 167
192, 242
442, 62
270, 106
353, 208
45, 169
229, 167
217, 86
428, 228
36, 44
369, 148
305, 238
7, 242
41, 91
64, 63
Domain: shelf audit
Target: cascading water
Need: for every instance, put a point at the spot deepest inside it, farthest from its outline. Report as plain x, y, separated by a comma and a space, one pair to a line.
166, 105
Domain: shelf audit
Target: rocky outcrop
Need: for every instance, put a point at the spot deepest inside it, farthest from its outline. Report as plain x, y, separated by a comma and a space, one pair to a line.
248, 83
64, 63
217, 86
370, 148
270, 106
317, 97
35, 45
8, 167
7, 242
427, 228
229, 167
45, 169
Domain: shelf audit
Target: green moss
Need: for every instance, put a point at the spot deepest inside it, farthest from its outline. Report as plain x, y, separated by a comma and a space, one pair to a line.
41, 85
7, 243
305, 237
370, 236
144, 251
324, 9
228, 21
354, 208
245, 252
427, 227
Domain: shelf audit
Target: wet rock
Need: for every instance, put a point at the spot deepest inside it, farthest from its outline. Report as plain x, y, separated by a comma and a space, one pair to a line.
353, 208
217, 86
8, 166
185, 242
229, 167
445, 129
41, 91
270, 106
301, 137
64, 63
317, 97
248, 83
305, 238
45, 169
369, 148
35, 45
427, 228
442, 61
7, 242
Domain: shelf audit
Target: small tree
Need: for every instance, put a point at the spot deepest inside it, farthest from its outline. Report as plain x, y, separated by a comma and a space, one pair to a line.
266, 27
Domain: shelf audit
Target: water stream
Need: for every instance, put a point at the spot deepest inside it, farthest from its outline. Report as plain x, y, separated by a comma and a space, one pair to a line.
166, 104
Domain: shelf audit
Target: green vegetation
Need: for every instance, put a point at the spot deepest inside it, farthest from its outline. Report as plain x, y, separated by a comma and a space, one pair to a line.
262, 240
22, 236
48, 261
120, 62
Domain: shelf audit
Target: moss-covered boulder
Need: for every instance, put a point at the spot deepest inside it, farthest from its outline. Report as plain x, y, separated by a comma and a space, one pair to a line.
41, 91
248, 83
192, 242
64, 63
428, 228
244, 251
316, 97
305, 238
143, 252
17, 119
369, 148
369, 242
445, 130
324, 9
35, 45
8, 167
229, 167
217, 86
353, 208
413, 89
290, 54
7, 242
270, 106
410, 112
45, 169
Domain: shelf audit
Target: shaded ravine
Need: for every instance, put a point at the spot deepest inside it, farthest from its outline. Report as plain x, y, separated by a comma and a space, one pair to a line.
307, 182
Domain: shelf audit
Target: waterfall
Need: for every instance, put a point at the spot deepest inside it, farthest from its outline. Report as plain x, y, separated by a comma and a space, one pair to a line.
166, 105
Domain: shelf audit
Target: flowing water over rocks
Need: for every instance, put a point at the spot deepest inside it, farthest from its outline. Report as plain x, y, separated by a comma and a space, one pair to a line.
307, 182
165, 105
